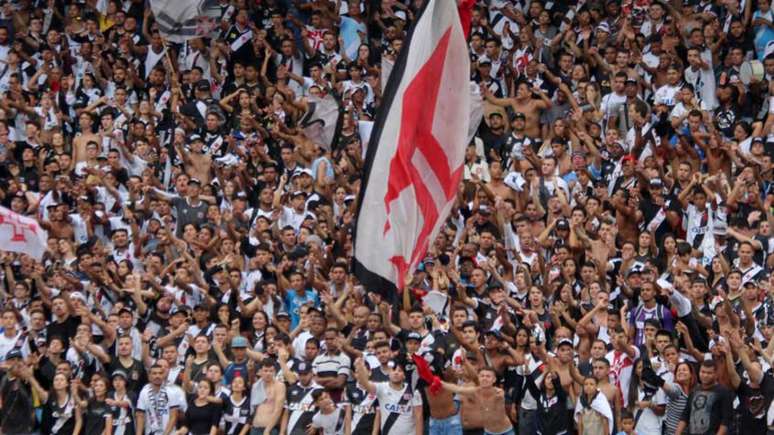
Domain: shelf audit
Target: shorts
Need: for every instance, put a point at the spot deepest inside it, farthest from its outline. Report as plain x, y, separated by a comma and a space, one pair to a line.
449, 425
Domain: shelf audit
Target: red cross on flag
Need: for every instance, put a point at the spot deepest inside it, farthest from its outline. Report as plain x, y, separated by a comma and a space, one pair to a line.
21, 234
416, 150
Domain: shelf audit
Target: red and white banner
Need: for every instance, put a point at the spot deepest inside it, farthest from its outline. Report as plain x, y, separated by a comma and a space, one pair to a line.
21, 234
416, 150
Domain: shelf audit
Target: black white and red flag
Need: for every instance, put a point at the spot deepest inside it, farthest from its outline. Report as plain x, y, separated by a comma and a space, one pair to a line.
416, 150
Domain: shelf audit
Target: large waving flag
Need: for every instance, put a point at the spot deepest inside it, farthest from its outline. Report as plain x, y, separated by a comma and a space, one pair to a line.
22, 234
416, 150
179, 20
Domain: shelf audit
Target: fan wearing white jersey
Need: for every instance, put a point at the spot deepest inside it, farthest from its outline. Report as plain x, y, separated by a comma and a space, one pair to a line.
400, 406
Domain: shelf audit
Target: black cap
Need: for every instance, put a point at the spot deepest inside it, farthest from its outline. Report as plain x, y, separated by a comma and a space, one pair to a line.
283, 314
495, 333
564, 342
562, 224
519, 115
303, 367
13, 353
414, 336
298, 252
203, 85
194, 181
495, 286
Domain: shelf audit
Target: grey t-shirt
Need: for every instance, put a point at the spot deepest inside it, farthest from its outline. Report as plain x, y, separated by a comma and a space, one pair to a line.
188, 213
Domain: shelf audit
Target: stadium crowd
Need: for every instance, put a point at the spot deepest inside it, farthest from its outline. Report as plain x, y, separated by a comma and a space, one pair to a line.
606, 267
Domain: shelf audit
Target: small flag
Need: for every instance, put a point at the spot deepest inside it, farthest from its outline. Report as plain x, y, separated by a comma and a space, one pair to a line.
179, 21
22, 234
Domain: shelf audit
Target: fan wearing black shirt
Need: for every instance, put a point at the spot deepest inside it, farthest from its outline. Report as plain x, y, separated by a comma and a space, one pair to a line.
755, 393
201, 417
709, 406
96, 415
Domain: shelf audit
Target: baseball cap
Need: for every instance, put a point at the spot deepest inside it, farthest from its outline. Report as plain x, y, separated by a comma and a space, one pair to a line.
564, 342
302, 171
194, 181
283, 314
637, 268
238, 342
78, 295
656, 183
414, 336
494, 333
303, 367
119, 372
562, 224
13, 353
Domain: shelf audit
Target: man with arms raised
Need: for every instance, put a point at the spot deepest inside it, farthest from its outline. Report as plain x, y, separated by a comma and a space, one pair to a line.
400, 407
492, 401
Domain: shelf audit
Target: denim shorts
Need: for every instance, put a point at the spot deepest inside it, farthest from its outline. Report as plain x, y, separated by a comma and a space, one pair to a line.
450, 425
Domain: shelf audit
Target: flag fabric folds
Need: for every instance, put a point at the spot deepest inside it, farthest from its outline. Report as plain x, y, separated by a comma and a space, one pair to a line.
179, 21
321, 120
21, 234
416, 151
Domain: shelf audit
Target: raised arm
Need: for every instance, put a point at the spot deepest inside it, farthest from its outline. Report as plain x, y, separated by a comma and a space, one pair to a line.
363, 376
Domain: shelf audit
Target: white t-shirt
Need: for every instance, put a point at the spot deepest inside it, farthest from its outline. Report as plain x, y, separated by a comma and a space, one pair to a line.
7, 344
611, 103
703, 81
621, 367
157, 406
390, 402
291, 217
666, 95
695, 224
329, 423
649, 422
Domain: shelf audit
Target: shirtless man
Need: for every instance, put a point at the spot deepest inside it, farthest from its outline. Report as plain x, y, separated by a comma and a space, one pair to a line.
86, 123
491, 400
496, 185
524, 102
58, 224
471, 414
269, 411
498, 354
199, 164
564, 362
444, 416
